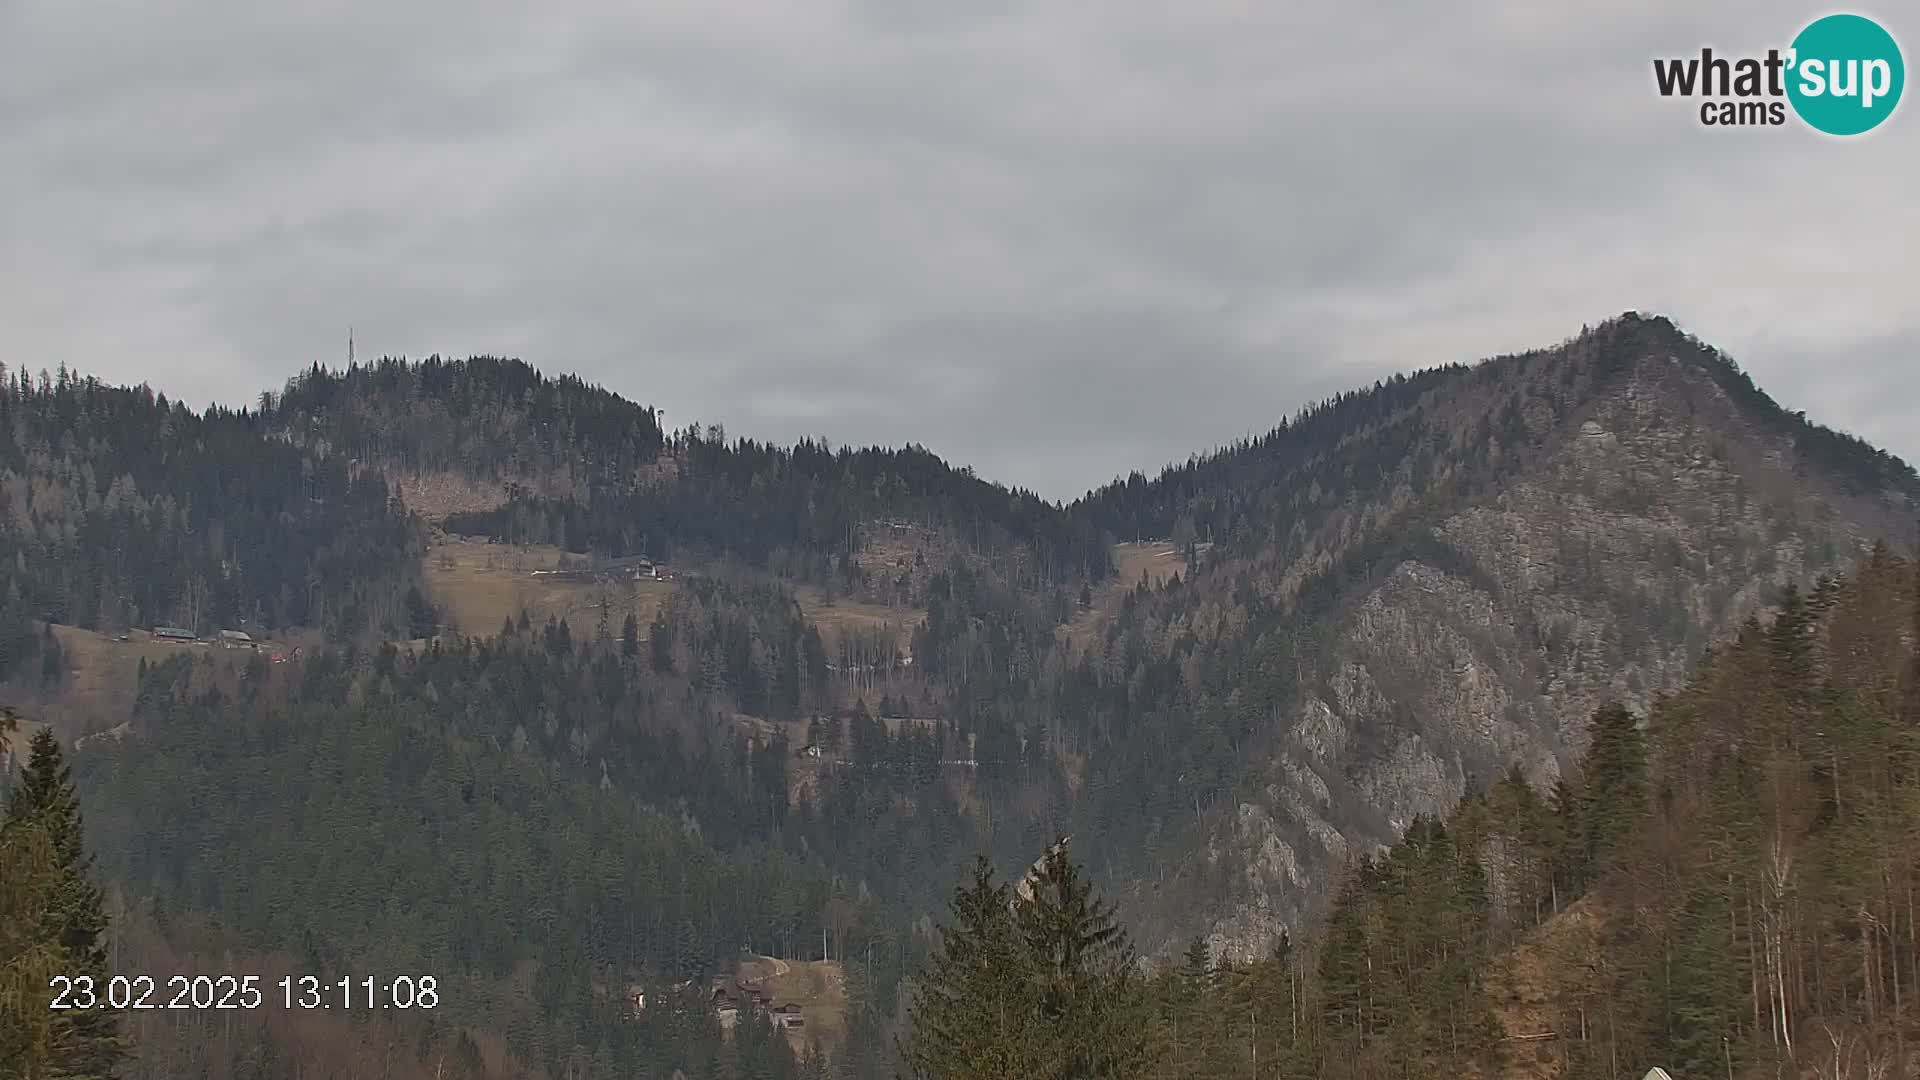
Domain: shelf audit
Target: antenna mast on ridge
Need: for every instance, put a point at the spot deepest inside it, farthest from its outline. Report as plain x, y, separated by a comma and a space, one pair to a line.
349, 346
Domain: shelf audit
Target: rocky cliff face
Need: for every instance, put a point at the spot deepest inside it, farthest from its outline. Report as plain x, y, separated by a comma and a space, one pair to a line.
1628, 530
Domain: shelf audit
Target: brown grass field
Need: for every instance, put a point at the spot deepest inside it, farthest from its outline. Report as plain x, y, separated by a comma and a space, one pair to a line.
819, 987
18, 740
102, 675
481, 585
843, 615
1158, 560
100, 685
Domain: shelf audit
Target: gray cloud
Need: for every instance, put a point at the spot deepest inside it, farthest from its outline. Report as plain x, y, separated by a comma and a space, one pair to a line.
1055, 241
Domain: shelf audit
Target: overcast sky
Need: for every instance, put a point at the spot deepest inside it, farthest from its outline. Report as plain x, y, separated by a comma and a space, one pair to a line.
1057, 241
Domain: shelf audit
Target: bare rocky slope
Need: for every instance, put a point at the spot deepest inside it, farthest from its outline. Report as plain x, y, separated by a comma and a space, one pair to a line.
1567, 527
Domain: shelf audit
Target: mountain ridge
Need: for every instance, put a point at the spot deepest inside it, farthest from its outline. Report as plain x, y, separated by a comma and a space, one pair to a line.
1388, 599
1421, 670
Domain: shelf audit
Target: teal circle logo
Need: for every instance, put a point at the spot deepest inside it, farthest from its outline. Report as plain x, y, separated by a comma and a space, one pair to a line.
1845, 74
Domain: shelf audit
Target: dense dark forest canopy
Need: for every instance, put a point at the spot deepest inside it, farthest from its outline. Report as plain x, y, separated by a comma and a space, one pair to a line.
555, 807
446, 838
123, 509
484, 417
60, 954
800, 514
592, 472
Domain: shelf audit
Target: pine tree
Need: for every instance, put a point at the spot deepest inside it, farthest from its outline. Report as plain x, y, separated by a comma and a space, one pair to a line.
1032, 981
422, 620
974, 1014
82, 1042
1613, 795
1090, 991
1346, 972
1197, 1031
29, 958
1566, 845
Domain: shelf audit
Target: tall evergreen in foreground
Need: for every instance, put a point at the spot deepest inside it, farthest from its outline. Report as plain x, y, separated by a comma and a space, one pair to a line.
1038, 981
1091, 993
51, 923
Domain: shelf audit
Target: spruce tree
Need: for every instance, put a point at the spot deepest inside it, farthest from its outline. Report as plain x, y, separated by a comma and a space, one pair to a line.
82, 1043
422, 619
974, 1014
1345, 967
29, 958
1613, 794
1566, 845
1091, 994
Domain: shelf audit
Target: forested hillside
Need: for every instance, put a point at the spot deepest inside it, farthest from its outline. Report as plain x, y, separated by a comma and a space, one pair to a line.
1398, 590
579, 467
124, 509
864, 668
1413, 587
71, 951
1724, 886
484, 419
542, 818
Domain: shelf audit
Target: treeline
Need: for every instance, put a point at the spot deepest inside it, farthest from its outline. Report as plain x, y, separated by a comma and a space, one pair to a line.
21, 643
802, 513
485, 418
592, 472
1255, 489
119, 508
1036, 978
1394, 983
1764, 911
751, 644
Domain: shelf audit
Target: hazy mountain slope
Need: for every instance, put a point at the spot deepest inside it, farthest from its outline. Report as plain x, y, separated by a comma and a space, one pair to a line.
1448, 574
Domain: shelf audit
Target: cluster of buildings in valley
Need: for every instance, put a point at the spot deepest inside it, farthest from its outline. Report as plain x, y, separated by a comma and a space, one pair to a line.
729, 998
